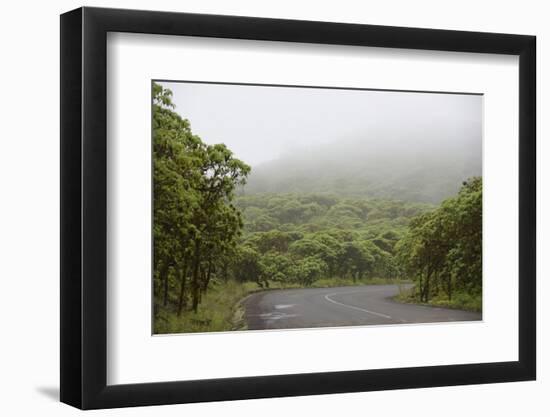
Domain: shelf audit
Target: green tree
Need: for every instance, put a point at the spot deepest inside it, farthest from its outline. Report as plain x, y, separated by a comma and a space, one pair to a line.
195, 222
442, 249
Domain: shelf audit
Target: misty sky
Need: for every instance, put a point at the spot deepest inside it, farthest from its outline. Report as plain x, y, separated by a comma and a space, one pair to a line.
260, 124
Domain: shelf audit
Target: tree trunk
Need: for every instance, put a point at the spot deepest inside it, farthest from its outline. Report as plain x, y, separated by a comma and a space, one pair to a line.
164, 279
208, 275
427, 287
202, 280
183, 278
196, 264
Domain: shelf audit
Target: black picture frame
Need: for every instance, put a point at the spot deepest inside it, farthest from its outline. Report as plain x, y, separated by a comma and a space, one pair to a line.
84, 207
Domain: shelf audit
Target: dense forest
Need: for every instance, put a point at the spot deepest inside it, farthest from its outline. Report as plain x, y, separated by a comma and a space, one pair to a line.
213, 232
304, 237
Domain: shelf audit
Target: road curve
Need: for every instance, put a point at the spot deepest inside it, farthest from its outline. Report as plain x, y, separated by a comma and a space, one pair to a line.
340, 306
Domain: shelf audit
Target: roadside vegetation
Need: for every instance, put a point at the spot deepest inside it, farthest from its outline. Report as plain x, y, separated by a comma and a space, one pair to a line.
214, 243
442, 251
460, 300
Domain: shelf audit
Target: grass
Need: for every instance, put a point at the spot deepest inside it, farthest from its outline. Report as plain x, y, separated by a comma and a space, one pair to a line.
459, 300
216, 312
222, 309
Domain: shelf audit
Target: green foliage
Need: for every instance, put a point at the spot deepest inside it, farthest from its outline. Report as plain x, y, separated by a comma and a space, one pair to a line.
214, 242
196, 226
442, 250
308, 237
246, 264
460, 300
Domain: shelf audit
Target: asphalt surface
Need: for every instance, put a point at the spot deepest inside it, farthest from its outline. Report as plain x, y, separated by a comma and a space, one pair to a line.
340, 306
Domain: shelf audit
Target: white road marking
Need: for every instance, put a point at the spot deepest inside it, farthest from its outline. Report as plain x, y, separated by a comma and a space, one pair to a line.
327, 297
283, 306
277, 316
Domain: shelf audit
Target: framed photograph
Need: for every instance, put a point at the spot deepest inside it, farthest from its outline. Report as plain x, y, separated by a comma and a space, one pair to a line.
257, 208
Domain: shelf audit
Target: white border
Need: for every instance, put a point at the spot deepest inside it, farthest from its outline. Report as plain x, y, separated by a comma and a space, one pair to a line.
134, 356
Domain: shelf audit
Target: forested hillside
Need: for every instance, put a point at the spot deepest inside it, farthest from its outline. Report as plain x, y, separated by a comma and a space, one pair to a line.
394, 166
219, 233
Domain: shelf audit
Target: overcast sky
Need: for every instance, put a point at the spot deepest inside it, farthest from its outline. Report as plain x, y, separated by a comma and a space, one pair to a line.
262, 123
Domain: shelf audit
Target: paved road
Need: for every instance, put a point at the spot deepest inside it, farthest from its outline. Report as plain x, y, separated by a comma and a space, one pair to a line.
340, 306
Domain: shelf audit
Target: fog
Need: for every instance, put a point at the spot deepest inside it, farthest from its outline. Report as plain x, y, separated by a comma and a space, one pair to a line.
379, 143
